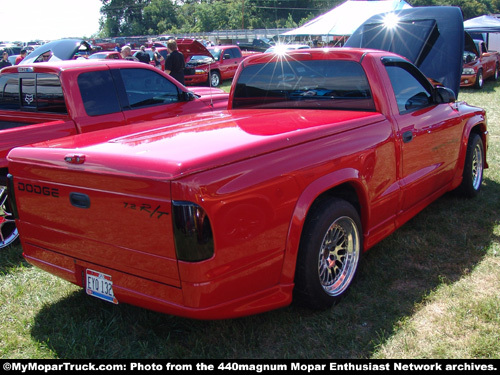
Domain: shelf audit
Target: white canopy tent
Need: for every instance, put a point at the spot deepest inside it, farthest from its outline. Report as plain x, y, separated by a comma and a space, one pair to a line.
347, 17
489, 27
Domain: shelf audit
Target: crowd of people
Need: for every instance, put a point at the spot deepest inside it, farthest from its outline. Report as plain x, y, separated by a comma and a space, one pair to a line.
5, 58
174, 62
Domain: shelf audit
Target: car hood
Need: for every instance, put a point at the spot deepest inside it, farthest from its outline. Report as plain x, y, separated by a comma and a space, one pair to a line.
63, 49
191, 47
471, 44
430, 37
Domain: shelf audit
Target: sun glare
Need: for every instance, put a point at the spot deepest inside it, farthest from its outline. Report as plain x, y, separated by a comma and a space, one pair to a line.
391, 21
280, 49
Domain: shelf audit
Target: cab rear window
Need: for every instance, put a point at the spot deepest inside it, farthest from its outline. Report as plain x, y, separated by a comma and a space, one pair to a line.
314, 84
34, 92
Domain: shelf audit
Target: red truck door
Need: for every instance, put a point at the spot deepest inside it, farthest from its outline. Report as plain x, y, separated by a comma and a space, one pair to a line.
151, 96
228, 62
425, 130
118, 97
488, 60
99, 107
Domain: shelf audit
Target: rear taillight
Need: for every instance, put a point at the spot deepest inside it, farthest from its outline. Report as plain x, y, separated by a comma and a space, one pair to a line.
194, 240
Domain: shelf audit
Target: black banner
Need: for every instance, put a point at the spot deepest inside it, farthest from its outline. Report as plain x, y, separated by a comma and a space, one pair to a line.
248, 366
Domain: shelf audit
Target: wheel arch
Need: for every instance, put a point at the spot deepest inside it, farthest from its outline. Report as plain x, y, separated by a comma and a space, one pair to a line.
345, 184
475, 125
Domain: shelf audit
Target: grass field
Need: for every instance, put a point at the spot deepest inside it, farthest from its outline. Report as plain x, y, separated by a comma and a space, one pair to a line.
430, 290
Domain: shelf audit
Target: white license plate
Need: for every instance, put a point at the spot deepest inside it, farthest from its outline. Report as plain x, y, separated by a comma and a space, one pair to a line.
100, 285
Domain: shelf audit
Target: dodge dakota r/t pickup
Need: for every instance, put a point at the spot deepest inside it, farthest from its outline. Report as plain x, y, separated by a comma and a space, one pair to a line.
321, 154
42, 101
479, 65
209, 65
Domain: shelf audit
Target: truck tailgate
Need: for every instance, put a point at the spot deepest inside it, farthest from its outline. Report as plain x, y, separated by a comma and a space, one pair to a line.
92, 224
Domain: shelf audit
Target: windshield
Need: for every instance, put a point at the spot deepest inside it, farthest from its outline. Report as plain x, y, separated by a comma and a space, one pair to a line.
199, 60
316, 84
215, 52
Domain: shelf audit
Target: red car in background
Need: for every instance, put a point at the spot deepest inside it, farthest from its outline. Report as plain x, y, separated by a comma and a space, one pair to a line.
479, 64
211, 65
112, 55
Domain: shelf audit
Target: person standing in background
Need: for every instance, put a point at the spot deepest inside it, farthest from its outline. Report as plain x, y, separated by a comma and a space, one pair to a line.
127, 54
21, 56
175, 64
5, 60
142, 55
157, 58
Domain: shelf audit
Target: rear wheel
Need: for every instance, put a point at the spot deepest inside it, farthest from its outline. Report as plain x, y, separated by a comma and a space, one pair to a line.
472, 176
8, 230
329, 253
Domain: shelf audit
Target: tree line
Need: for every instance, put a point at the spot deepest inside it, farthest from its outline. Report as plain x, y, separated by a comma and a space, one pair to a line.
158, 17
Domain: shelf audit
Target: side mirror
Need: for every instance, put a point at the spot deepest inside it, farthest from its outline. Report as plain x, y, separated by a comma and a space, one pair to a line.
189, 96
444, 95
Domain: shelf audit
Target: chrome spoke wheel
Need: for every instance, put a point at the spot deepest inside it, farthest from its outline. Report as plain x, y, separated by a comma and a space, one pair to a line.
8, 230
472, 175
477, 166
338, 256
329, 253
214, 79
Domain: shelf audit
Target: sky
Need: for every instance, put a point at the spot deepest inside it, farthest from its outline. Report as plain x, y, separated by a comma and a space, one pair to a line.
25, 20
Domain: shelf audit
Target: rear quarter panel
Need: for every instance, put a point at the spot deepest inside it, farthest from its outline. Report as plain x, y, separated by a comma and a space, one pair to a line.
257, 206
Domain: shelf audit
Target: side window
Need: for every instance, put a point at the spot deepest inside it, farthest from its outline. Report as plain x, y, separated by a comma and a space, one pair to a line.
98, 93
236, 53
146, 88
409, 91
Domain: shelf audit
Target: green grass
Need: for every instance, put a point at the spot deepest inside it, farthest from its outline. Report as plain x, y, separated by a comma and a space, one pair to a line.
430, 290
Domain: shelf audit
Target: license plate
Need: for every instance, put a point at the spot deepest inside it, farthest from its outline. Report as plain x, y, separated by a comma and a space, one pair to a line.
99, 285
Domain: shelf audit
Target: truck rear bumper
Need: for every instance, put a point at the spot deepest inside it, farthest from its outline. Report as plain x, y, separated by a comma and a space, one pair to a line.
156, 296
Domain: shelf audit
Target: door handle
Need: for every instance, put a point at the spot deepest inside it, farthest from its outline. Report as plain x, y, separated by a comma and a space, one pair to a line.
79, 200
407, 136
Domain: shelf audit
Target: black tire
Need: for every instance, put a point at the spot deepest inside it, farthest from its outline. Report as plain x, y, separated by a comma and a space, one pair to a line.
214, 78
8, 231
329, 254
479, 79
472, 176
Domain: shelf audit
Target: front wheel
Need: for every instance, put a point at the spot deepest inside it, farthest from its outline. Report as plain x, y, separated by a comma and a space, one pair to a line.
8, 230
479, 79
214, 78
329, 253
472, 176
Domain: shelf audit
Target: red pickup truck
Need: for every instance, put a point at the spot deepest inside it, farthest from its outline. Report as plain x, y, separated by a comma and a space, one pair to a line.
51, 100
209, 65
479, 65
322, 154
